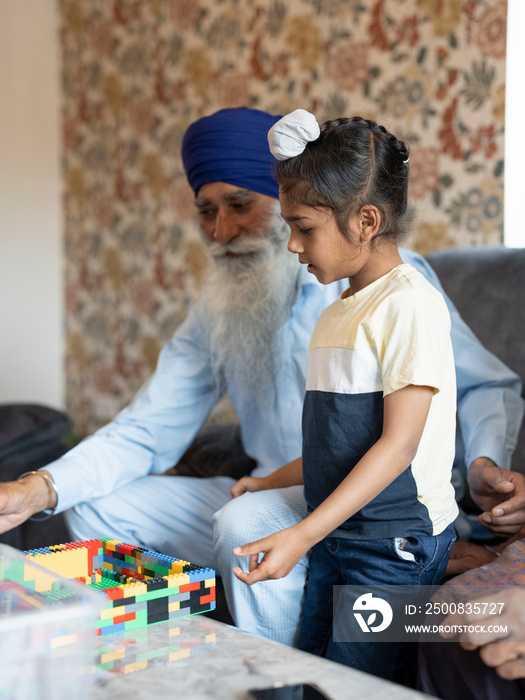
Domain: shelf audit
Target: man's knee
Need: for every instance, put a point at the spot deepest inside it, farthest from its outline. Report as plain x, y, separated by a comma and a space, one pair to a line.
97, 518
227, 520
83, 522
256, 515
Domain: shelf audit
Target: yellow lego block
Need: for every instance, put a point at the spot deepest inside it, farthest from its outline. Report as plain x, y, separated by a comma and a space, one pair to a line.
112, 656
137, 666
177, 580
182, 654
108, 613
177, 567
63, 641
43, 582
133, 589
71, 563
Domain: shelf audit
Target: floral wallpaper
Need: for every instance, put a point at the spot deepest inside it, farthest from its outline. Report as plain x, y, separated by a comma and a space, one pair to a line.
136, 73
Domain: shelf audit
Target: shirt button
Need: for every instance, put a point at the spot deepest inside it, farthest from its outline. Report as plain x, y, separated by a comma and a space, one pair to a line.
288, 405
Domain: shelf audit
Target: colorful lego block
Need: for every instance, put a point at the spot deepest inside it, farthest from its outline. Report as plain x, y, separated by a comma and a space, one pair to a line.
141, 587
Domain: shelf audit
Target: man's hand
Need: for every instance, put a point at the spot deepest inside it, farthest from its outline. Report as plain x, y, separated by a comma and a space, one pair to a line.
248, 483
500, 493
508, 658
502, 639
282, 551
19, 500
465, 556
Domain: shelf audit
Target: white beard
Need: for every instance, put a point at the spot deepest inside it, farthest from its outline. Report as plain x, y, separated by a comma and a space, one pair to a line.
248, 299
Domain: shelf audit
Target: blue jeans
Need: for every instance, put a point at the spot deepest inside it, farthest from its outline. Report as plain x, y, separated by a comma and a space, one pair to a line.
414, 561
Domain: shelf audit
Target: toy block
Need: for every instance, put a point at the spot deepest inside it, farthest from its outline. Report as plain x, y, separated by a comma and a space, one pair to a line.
112, 656
204, 599
141, 587
112, 629
128, 617
182, 654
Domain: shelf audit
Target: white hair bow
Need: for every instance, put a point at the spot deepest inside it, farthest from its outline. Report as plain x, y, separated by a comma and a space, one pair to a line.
288, 137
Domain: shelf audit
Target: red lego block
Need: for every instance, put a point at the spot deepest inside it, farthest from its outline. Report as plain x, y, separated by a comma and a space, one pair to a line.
126, 549
205, 599
114, 593
93, 547
190, 587
124, 618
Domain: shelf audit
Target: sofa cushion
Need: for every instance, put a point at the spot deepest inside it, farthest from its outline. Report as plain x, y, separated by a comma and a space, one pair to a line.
487, 286
217, 450
30, 437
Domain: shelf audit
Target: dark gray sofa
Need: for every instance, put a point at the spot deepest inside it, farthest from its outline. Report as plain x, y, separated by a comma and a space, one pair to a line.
31, 436
487, 285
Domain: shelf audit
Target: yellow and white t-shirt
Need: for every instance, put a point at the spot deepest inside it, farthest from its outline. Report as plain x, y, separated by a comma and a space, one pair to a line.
392, 333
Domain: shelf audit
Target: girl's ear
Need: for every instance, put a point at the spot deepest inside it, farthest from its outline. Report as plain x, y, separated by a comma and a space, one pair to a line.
369, 222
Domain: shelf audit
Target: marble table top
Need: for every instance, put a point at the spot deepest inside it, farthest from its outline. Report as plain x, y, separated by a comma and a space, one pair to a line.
197, 658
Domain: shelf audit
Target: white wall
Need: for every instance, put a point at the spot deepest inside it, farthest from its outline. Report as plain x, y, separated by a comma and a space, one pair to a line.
514, 229
31, 352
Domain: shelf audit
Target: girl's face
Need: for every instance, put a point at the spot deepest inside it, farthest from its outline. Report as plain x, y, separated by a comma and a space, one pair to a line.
319, 243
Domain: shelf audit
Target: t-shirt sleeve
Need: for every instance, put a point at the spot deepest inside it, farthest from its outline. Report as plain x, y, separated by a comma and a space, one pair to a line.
414, 340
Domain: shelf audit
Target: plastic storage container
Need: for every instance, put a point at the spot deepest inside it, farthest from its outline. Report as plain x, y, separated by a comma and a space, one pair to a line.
46, 632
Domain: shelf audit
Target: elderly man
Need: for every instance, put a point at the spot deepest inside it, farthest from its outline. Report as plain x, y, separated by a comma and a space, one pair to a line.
248, 336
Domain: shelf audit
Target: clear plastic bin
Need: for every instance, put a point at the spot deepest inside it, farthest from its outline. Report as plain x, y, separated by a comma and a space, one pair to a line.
46, 632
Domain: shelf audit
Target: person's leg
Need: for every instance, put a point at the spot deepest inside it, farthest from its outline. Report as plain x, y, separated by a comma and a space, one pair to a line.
270, 609
368, 566
168, 514
318, 608
449, 672
393, 563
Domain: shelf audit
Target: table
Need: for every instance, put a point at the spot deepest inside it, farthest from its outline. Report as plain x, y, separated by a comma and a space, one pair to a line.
197, 658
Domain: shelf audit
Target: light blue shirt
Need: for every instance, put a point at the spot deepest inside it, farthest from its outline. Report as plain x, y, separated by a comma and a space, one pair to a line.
153, 432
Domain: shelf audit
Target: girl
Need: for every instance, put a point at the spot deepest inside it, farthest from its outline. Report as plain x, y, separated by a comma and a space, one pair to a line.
379, 410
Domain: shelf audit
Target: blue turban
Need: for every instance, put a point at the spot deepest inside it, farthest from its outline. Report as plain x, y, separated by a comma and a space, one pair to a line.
231, 146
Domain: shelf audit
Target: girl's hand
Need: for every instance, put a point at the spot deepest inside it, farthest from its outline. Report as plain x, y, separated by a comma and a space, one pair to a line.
248, 483
282, 551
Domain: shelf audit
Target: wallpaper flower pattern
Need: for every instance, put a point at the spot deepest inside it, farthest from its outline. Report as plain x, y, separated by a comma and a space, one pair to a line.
136, 73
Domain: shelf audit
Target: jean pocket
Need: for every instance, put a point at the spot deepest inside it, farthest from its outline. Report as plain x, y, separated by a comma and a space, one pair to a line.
400, 549
419, 551
332, 544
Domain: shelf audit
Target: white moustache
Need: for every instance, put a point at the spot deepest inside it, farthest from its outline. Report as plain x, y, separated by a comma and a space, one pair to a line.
238, 246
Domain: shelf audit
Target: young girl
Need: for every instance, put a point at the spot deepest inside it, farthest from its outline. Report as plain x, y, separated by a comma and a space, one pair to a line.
379, 410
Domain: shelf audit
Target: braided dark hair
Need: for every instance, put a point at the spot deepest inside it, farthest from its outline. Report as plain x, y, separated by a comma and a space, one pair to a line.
353, 162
